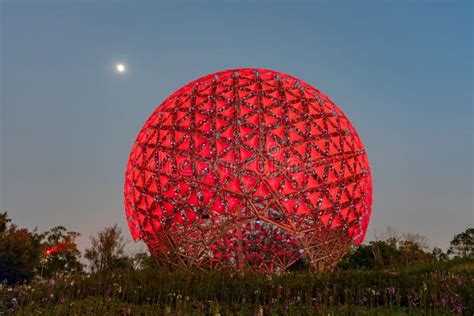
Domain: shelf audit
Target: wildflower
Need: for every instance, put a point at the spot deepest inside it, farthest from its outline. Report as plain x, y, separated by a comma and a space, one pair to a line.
280, 291
458, 308
15, 304
413, 298
374, 291
391, 290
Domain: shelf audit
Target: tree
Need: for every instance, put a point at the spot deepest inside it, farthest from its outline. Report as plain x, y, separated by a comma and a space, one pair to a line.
108, 250
392, 252
20, 251
361, 257
386, 253
438, 254
143, 260
60, 251
462, 244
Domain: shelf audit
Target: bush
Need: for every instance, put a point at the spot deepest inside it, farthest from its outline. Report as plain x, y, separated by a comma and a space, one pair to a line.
20, 252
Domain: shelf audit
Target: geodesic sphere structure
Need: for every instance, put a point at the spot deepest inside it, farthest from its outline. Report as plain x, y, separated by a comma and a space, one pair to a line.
248, 168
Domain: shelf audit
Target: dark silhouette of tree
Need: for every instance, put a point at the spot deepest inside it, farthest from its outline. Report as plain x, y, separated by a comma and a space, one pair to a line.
414, 249
60, 251
361, 257
438, 254
393, 252
20, 251
108, 250
462, 244
143, 260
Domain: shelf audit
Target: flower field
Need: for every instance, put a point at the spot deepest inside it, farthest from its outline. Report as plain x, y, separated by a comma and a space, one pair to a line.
441, 288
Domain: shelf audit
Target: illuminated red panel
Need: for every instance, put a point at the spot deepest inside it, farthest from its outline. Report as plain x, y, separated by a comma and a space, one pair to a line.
248, 168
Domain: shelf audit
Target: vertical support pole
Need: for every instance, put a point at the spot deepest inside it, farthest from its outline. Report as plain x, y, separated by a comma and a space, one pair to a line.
240, 250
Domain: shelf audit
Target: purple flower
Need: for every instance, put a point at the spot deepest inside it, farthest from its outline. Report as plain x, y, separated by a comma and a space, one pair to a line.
391, 290
15, 304
458, 308
442, 302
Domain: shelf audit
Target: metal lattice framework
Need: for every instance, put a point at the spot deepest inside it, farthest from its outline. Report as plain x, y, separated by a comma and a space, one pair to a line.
248, 168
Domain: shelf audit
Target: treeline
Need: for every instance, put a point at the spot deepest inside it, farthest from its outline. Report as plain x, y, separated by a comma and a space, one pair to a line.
26, 254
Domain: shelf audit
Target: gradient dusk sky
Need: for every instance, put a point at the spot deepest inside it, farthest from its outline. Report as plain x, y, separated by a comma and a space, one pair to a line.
402, 73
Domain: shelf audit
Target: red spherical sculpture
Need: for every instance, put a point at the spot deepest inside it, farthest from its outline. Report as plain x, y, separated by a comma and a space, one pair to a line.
248, 168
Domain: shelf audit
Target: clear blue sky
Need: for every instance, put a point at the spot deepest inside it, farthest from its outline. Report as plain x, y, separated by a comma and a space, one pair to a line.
403, 74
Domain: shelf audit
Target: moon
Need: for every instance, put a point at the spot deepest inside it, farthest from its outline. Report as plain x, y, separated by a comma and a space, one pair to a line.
120, 68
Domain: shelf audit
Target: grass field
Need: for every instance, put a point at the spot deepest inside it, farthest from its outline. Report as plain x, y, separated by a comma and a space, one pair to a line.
442, 288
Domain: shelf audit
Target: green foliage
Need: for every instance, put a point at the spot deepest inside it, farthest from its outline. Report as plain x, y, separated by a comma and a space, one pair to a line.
20, 251
107, 250
66, 258
393, 252
440, 288
391, 276
300, 266
361, 257
462, 244
144, 261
